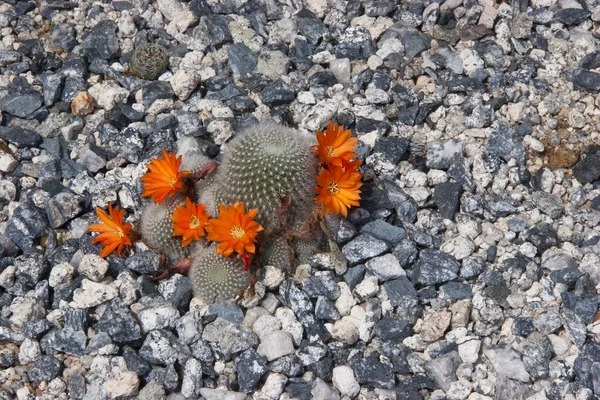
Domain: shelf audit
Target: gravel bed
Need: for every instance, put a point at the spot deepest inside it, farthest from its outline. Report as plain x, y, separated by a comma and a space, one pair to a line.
470, 271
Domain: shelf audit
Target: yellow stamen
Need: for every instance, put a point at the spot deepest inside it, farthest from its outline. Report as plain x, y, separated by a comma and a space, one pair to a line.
194, 222
329, 152
237, 232
333, 187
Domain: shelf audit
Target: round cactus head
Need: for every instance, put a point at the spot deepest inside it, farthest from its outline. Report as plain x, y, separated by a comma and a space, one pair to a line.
157, 228
277, 253
270, 167
215, 277
149, 61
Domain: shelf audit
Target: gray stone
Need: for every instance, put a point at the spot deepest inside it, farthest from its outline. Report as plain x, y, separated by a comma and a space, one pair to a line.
230, 338
364, 247
507, 362
382, 230
21, 99
63, 207
177, 289
276, 345
385, 268
250, 368
45, 369
549, 204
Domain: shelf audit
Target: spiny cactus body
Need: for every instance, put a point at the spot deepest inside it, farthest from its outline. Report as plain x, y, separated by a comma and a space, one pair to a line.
276, 253
215, 277
157, 228
149, 61
265, 167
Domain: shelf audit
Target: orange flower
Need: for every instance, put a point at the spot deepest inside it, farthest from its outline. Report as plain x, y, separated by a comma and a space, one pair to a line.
335, 145
189, 221
113, 232
337, 189
235, 229
164, 178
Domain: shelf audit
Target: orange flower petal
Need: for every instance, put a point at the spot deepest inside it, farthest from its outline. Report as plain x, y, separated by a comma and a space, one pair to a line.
235, 229
113, 232
163, 178
189, 222
338, 189
335, 145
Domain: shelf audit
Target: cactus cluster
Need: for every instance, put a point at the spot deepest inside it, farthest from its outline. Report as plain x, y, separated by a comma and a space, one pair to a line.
149, 61
264, 168
257, 207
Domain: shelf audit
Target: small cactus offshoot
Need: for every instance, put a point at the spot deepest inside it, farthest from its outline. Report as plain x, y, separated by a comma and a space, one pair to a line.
149, 61
261, 204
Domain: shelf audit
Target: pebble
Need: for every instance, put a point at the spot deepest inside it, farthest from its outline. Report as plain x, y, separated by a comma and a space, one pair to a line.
92, 266
275, 345
345, 381
92, 294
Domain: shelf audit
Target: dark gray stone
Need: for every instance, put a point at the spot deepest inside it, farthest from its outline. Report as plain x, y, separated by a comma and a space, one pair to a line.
250, 368
20, 137
66, 341
399, 290
435, 267
406, 252
302, 307
588, 169
242, 60
393, 148
276, 93
543, 236
325, 309
31, 268
145, 262
101, 41
63, 207
504, 142
389, 328
382, 230
44, 370
322, 285
227, 310
447, 198
163, 348
21, 99
571, 16
379, 8
354, 275
177, 289
549, 204
120, 323
371, 371
457, 290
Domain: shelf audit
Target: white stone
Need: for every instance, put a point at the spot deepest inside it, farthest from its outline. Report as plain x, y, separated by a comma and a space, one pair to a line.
459, 390
192, 370
266, 325
273, 64
184, 82
323, 391
273, 276
108, 94
346, 301
7, 277
220, 394
92, 294
29, 351
181, 22
56, 386
377, 96
340, 68
290, 324
170, 8
123, 384
93, 266
319, 7
25, 309
274, 385
276, 345
459, 246
344, 381
468, 349
306, 98
7, 162
283, 31
345, 330
369, 287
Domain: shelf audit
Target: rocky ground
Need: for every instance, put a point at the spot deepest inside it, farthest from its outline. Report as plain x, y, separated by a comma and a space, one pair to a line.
473, 264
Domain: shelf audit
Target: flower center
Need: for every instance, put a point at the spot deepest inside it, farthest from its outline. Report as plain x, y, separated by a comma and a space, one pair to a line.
194, 222
329, 152
237, 232
333, 187
120, 232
